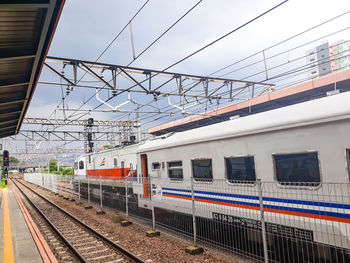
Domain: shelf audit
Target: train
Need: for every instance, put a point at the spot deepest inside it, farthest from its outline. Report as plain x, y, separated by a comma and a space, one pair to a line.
296, 159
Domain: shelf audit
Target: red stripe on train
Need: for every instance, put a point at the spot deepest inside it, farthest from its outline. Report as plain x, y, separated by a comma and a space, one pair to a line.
113, 173
279, 211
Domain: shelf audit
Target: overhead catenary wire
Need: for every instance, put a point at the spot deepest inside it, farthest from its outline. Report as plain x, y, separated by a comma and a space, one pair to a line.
142, 52
286, 75
200, 49
282, 42
286, 51
102, 53
110, 43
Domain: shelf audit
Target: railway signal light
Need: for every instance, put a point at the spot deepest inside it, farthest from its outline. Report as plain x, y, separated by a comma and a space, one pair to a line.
91, 145
90, 121
6, 158
5, 164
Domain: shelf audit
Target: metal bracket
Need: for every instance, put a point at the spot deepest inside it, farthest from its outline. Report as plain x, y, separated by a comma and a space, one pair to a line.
118, 106
182, 108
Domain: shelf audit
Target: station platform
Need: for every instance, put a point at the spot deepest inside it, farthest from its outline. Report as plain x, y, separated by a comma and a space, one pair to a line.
19, 242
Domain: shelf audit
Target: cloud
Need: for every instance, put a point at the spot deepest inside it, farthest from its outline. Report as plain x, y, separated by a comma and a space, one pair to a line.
85, 29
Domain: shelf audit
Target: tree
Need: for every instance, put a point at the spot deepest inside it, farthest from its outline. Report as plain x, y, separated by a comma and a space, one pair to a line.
53, 165
13, 160
68, 171
107, 147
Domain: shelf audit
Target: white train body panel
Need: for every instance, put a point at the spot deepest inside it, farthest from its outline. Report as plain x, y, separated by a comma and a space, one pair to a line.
320, 126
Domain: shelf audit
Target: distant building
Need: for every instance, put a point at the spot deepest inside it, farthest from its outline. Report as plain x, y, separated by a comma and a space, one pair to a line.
327, 58
340, 52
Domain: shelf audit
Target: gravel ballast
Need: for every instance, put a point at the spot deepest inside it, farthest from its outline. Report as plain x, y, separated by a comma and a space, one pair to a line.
163, 248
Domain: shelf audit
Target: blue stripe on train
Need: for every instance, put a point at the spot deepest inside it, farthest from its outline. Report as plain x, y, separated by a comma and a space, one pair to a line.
294, 209
270, 199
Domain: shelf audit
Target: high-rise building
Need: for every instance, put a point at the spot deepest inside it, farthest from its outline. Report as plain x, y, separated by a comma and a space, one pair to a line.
340, 52
318, 60
326, 58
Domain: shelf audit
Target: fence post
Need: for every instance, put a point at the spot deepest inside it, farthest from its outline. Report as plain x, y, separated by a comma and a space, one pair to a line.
88, 191
101, 193
153, 215
79, 189
52, 188
193, 215
61, 184
126, 198
58, 184
266, 256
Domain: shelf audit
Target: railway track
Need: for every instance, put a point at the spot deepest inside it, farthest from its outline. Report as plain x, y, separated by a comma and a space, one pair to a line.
85, 243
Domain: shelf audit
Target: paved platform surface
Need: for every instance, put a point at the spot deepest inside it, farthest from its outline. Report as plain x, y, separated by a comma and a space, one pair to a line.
16, 242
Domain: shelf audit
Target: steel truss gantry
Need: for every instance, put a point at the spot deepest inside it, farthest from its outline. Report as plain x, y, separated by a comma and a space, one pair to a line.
37, 135
47, 151
75, 122
102, 130
154, 81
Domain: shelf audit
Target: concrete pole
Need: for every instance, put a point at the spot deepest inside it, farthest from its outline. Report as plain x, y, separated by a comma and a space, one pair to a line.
138, 126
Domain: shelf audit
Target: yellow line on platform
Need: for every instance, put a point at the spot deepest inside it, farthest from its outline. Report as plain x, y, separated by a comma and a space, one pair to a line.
8, 248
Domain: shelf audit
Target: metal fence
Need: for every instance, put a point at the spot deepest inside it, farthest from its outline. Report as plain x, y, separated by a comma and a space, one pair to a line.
264, 221
61, 184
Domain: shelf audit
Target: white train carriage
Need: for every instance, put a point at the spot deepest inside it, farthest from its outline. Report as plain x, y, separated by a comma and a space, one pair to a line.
300, 153
107, 170
112, 164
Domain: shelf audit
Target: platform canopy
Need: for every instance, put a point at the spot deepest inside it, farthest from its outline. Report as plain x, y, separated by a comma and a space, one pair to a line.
26, 31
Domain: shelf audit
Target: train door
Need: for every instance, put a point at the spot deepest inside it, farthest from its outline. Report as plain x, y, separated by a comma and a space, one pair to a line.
94, 166
122, 169
145, 175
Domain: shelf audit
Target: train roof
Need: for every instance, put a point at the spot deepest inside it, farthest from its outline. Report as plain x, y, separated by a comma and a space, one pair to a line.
331, 108
130, 146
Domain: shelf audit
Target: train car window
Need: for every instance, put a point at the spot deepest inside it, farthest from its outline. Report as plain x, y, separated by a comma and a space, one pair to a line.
115, 162
297, 169
240, 169
156, 166
81, 165
175, 172
89, 158
76, 165
202, 170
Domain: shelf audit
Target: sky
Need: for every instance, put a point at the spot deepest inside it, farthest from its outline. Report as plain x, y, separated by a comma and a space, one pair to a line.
87, 27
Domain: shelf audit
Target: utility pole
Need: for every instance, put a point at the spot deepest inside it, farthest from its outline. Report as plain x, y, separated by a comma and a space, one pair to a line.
138, 126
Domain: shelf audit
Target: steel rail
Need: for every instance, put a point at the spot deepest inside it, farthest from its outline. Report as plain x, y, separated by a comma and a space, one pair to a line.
121, 249
71, 247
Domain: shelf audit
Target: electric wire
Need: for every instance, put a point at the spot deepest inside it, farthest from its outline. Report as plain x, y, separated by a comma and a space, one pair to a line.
200, 49
282, 42
110, 44
142, 52
288, 73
